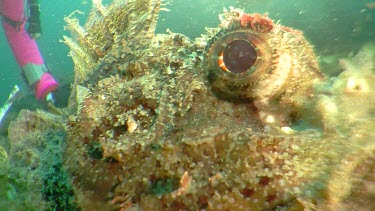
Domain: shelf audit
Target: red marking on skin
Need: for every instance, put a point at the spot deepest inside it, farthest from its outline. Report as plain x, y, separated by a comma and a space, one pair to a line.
264, 181
247, 192
271, 198
257, 22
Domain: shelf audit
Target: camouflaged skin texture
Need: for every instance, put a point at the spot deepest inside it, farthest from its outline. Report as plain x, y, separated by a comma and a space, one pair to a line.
283, 74
148, 129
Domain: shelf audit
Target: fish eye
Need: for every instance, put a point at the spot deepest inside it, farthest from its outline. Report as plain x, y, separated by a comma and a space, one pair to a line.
238, 56
236, 60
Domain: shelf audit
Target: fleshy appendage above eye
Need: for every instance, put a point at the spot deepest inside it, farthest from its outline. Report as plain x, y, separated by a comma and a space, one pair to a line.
235, 61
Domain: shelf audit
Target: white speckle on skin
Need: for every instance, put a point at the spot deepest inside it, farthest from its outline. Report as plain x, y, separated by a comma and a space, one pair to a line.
132, 125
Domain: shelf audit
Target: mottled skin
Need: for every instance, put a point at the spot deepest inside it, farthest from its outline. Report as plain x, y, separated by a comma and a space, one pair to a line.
150, 128
281, 78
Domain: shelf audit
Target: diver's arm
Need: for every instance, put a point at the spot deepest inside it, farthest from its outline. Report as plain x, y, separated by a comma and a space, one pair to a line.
25, 49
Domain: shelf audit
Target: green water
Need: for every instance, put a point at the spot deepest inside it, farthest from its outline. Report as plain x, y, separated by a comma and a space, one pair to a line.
54, 52
332, 26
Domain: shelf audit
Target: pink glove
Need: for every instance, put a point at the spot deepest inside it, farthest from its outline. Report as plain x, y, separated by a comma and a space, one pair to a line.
44, 86
25, 49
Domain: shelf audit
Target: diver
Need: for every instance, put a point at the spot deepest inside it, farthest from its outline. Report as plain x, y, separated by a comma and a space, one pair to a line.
21, 23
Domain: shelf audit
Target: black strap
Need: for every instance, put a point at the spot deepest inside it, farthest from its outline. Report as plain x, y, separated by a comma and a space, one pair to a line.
34, 27
14, 24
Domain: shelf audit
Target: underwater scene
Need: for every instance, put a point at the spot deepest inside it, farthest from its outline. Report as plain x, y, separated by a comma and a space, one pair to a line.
193, 105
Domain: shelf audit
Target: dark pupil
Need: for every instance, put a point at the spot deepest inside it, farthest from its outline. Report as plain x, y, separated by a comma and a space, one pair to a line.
239, 56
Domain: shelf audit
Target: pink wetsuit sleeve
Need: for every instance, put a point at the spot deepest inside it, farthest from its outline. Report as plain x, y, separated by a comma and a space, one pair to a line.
24, 47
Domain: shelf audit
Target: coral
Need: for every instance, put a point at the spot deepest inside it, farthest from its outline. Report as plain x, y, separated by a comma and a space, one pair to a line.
33, 178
